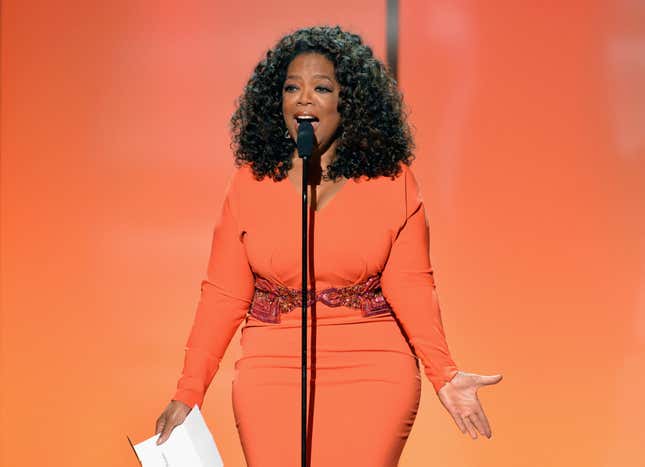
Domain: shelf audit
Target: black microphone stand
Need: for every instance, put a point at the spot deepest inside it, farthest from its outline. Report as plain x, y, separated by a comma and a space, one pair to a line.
305, 147
305, 208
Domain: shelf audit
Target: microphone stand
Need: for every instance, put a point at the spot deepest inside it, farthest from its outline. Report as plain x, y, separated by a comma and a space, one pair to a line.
305, 142
305, 164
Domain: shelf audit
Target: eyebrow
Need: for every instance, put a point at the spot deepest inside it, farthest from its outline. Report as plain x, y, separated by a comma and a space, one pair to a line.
314, 76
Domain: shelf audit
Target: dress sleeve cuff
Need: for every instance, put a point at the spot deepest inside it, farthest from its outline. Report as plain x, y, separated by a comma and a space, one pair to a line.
438, 381
189, 397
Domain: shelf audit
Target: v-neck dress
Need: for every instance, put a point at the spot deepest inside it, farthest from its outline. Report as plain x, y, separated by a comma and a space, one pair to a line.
363, 373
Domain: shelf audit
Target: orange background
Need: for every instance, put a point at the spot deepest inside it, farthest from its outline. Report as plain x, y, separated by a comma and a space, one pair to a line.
531, 151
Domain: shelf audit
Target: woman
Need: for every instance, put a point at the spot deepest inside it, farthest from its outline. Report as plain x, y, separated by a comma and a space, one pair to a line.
374, 307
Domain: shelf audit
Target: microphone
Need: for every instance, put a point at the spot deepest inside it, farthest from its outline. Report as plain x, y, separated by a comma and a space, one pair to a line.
305, 142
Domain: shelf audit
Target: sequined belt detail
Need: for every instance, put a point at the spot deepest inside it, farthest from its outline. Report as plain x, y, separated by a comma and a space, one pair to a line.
271, 299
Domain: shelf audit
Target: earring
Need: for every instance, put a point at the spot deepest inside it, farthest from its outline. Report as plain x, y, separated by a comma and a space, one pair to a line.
286, 134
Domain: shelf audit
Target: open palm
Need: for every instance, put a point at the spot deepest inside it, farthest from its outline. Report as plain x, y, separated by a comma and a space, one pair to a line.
459, 397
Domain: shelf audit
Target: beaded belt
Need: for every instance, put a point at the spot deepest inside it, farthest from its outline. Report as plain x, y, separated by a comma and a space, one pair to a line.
271, 299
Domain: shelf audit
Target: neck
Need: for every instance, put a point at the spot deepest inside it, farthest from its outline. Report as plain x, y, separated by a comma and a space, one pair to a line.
318, 162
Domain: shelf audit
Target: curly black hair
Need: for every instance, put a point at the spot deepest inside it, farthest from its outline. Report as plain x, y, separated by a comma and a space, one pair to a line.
373, 136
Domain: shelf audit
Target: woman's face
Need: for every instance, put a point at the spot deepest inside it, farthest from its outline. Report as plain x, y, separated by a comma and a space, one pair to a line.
311, 91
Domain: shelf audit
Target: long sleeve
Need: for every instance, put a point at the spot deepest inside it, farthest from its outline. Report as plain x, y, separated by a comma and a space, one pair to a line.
226, 294
408, 285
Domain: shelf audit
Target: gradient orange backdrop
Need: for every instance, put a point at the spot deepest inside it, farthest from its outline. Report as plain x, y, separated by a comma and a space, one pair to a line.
530, 129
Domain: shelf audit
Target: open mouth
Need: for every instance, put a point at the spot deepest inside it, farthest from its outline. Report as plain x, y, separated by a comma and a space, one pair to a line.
309, 118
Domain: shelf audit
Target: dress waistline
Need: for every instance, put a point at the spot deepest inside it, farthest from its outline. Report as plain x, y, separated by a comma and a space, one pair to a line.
270, 300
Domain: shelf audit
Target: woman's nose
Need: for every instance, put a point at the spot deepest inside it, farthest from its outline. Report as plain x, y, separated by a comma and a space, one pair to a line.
304, 97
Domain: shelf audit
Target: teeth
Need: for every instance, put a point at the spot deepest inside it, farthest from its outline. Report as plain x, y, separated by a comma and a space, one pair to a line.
306, 117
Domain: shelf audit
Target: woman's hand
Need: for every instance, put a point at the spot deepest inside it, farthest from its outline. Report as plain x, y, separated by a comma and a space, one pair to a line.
174, 415
459, 397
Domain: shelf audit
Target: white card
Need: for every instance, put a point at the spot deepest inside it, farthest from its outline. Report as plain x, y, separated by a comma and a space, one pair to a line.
189, 445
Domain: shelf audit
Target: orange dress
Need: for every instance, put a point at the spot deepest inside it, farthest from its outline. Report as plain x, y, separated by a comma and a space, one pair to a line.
364, 380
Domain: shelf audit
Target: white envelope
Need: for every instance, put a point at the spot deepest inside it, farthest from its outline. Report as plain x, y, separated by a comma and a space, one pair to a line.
189, 445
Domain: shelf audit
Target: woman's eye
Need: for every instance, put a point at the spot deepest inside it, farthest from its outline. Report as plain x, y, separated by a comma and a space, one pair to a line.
289, 88
323, 89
